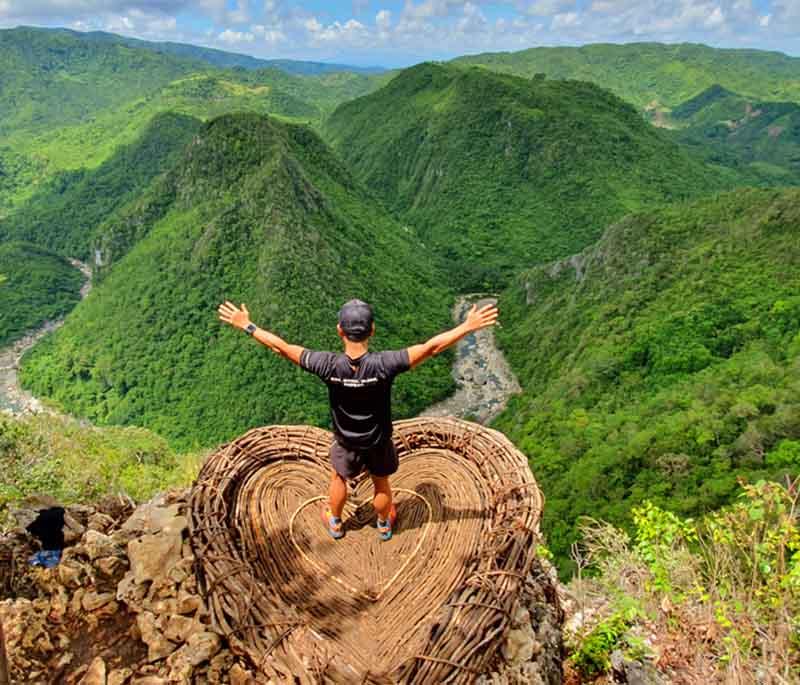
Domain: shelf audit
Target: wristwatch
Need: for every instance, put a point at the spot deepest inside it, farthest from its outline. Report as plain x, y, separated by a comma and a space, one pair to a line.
250, 328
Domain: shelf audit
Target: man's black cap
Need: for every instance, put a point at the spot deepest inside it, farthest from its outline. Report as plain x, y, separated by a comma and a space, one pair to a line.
355, 318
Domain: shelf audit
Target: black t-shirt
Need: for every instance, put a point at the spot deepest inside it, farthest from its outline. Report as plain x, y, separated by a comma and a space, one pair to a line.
360, 392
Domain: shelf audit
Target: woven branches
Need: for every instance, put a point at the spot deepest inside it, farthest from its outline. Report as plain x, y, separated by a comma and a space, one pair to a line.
430, 606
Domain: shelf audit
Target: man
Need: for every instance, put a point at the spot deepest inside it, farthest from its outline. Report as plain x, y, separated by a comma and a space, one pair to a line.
359, 388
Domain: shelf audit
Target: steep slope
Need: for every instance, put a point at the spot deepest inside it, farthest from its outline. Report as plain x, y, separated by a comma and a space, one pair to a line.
654, 74
70, 99
499, 172
64, 213
259, 212
50, 77
761, 138
35, 285
662, 363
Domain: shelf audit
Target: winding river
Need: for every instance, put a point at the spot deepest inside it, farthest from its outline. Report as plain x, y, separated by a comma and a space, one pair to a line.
483, 378
13, 399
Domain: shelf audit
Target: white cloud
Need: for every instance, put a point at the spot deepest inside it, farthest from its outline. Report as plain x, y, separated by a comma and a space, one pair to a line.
565, 20
233, 37
383, 21
548, 8
420, 29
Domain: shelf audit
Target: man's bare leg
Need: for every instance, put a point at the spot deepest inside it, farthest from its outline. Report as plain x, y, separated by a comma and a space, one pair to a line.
383, 496
337, 494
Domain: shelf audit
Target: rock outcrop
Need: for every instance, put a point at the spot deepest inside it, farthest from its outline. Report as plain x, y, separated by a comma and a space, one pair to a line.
123, 607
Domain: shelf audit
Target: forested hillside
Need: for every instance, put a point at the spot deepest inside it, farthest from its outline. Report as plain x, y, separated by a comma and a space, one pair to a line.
662, 363
35, 286
69, 100
657, 74
64, 213
260, 212
760, 138
225, 60
499, 172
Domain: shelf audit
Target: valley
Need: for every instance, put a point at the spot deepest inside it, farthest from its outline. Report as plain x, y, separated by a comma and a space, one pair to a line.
634, 210
13, 399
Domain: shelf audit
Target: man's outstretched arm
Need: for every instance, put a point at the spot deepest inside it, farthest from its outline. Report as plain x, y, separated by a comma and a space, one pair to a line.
240, 318
476, 319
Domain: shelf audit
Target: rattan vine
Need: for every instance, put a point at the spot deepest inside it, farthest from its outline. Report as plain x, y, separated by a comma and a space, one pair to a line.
430, 606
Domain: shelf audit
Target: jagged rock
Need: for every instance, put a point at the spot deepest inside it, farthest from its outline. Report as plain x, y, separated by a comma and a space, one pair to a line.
199, 647
150, 680
119, 676
219, 666
179, 628
624, 670
187, 602
111, 567
100, 522
157, 645
152, 555
73, 529
70, 573
520, 645
96, 675
151, 517
92, 600
240, 676
99, 544
130, 592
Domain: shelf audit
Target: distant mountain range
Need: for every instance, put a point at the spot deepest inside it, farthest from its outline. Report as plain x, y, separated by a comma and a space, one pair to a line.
222, 58
656, 75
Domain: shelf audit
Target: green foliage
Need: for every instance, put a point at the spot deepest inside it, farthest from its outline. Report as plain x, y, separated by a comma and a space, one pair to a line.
35, 286
255, 211
591, 654
758, 138
499, 172
658, 532
653, 74
78, 202
76, 463
660, 363
70, 100
737, 568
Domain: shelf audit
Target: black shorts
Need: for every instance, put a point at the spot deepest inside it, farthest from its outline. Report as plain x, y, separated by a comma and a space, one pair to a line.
380, 461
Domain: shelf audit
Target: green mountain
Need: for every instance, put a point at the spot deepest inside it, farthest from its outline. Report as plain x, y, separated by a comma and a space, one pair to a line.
256, 211
50, 78
64, 213
499, 172
228, 60
757, 137
69, 100
662, 363
35, 286
655, 75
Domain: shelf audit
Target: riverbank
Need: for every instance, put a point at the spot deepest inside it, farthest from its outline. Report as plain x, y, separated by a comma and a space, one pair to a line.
484, 379
13, 399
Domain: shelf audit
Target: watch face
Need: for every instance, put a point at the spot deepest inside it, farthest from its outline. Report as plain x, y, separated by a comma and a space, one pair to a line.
251, 328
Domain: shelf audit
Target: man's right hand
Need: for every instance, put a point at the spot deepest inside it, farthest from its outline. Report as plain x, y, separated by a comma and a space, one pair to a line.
229, 313
481, 318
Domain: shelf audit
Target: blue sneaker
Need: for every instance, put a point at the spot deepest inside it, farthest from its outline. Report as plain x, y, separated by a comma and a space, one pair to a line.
334, 524
385, 527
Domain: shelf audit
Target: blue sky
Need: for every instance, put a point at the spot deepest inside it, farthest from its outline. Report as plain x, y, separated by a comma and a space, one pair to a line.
402, 32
